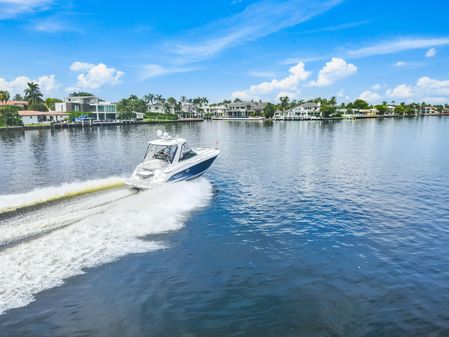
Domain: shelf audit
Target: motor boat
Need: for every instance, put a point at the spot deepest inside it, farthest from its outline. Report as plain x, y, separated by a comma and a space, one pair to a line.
170, 159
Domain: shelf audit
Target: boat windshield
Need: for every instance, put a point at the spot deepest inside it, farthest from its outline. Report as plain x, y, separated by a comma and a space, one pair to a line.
163, 152
186, 152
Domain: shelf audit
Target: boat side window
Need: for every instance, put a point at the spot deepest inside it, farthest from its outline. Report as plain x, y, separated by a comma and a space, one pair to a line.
186, 152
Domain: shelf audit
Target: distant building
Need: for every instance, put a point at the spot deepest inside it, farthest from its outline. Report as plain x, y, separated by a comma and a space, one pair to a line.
429, 110
215, 110
190, 109
365, 112
20, 104
101, 110
245, 109
156, 107
35, 117
307, 110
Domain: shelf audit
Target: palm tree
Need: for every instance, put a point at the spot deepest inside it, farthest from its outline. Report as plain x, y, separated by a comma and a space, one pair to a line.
167, 108
183, 99
4, 96
33, 94
18, 97
284, 102
333, 101
158, 98
149, 98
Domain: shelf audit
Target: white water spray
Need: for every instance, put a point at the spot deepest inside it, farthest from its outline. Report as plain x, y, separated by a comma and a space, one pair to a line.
11, 202
43, 248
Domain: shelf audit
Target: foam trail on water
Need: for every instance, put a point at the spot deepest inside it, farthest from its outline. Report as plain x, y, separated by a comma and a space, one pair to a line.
103, 233
11, 202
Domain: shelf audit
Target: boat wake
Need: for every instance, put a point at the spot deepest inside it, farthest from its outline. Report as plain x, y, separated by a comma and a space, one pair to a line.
13, 202
41, 248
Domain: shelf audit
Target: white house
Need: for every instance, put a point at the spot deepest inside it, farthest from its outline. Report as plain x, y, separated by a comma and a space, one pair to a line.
101, 110
156, 107
245, 109
215, 110
308, 110
34, 117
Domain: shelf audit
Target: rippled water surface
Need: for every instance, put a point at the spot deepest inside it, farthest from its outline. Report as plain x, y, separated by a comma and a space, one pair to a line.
298, 229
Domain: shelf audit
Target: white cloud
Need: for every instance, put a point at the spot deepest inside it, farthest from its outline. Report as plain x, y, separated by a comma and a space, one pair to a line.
55, 24
431, 52
13, 8
425, 89
47, 84
400, 64
370, 96
435, 100
432, 86
400, 91
334, 70
394, 46
95, 76
257, 20
288, 85
154, 70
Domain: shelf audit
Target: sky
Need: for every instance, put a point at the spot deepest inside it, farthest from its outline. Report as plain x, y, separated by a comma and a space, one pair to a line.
375, 50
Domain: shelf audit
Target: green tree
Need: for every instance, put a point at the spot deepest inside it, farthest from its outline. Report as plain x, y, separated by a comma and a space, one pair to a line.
51, 102
80, 93
167, 108
360, 104
269, 110
38, 106
178, 107
4, 96
125, 109
149, 98
327, 110
284, 101
18, 97
9, 115
171, 101
382, 109
399, 110
33, 93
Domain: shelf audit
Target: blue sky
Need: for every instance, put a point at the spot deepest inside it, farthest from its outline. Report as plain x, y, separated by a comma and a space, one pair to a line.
377, 50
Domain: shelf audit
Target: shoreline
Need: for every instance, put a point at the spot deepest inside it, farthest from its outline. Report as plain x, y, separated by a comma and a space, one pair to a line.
197, 120
79, 125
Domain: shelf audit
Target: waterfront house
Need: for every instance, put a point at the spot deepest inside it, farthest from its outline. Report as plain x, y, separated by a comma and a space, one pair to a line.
429, 110
366, 112
190, 109
216, 110
304, 111
244, 109
35, 117
156, 108
100, 109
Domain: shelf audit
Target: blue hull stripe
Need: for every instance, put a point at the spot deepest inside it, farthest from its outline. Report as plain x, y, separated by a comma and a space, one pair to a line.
194, 171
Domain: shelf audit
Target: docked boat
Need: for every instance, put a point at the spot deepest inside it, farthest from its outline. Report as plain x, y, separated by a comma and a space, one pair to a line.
169, 159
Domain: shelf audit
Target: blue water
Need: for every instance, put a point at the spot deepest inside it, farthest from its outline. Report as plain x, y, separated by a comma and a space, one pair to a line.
310, 229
